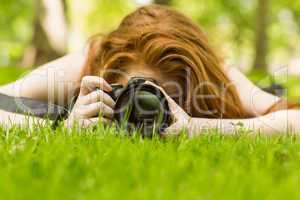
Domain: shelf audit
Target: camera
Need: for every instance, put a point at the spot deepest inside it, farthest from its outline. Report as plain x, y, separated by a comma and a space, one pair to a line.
141, 106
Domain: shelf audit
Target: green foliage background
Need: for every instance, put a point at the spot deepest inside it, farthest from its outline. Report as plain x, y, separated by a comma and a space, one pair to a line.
15, 29
230, 24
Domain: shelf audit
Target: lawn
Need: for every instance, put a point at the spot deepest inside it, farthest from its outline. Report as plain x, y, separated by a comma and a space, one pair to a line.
102, 163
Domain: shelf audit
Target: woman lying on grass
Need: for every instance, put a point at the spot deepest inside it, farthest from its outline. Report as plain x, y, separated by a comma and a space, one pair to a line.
162, 44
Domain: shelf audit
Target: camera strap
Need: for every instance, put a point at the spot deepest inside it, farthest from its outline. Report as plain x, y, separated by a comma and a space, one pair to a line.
27, 106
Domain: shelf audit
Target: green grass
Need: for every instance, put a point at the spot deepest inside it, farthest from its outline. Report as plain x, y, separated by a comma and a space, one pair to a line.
102, 163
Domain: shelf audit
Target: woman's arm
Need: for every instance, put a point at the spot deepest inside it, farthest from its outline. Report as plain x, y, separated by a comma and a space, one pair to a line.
54, 82
283, 121
280, 122
93, 104
8, 120
254, 100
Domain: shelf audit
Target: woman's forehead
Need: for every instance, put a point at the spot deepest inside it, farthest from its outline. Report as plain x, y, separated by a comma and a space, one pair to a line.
171, 83
122, 75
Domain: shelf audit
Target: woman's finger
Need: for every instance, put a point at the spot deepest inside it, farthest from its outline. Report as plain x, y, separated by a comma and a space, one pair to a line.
174, 107
177, 129
96, 109
91, 83
98, 96
172, 130
95, 121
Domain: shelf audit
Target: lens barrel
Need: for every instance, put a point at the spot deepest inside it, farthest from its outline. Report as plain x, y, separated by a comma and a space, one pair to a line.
140, 106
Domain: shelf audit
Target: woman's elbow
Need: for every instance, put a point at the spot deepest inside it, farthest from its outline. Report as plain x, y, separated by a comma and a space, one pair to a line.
283, 121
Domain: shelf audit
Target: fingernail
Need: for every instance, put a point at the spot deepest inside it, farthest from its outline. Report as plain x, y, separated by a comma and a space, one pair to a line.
109, 88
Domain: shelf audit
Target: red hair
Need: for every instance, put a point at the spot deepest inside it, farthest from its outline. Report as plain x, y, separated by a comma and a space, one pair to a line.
167, 41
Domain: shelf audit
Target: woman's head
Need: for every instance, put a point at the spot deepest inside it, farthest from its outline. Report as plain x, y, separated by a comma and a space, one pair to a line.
163, 44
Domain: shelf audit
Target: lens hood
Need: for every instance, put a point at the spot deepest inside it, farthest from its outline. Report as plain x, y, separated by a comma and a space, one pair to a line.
142, 106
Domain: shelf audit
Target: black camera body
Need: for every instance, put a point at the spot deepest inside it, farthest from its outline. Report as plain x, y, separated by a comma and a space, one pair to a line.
140, 106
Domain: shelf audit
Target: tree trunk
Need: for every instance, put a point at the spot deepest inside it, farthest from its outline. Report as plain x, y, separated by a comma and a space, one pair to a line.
49, 40
162, 2
261, 42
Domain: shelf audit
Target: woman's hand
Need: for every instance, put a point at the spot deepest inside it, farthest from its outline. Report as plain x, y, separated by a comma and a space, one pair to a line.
93, 101
181, 119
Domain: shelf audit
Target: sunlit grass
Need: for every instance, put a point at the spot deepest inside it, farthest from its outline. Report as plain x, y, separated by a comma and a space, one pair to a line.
101, 163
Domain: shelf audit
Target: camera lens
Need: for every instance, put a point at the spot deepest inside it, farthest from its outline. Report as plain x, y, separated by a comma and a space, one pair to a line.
147, 104
141, 107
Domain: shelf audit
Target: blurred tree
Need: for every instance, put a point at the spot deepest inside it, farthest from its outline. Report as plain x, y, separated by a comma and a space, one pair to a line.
261, 40
15, 29
49, 38
163, 2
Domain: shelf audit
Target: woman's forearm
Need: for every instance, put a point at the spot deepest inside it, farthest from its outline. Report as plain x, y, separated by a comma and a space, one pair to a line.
286, 121
56, 82
8, 120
